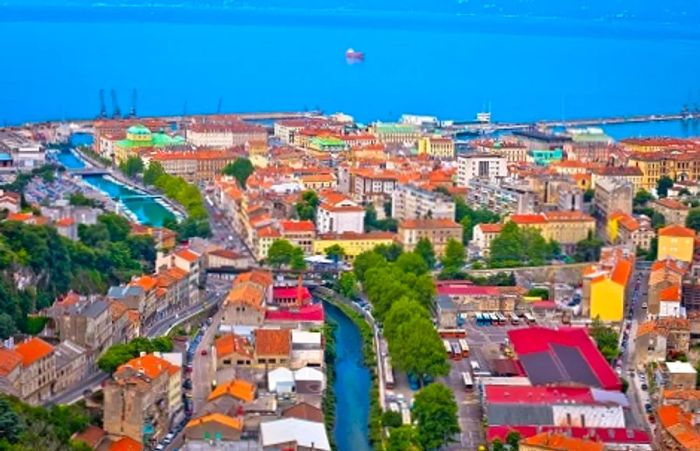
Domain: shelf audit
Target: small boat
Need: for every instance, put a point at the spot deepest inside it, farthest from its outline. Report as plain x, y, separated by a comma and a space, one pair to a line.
353, 55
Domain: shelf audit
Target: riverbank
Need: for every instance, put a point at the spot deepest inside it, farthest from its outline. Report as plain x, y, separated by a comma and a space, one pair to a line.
369, 358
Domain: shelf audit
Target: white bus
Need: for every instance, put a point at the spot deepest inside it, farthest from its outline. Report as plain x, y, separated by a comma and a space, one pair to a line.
448, 348
388, 374
467, 380
475, 365
514, 320
529, 319
465, 347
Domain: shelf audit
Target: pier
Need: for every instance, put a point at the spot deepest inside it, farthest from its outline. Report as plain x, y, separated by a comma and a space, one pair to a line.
473, 127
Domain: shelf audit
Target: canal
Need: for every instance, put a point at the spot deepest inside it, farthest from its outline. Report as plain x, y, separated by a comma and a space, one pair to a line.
352, 385
145, 210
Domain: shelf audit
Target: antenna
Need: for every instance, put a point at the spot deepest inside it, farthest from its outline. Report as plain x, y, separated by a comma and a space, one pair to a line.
116, 112
218, 105
132, 113
103, 108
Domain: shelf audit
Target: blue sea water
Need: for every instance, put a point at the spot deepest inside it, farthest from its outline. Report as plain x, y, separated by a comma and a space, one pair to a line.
188, 59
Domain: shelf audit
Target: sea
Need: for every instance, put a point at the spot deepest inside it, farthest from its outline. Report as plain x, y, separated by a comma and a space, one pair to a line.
520, 60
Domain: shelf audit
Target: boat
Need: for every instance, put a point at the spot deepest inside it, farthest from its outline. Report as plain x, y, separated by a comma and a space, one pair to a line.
353, 55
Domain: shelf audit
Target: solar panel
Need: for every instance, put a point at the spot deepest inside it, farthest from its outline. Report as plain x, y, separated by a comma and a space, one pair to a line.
541, 368
575, 365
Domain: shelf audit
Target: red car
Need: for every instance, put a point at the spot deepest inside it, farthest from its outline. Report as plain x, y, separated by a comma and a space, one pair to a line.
204, 352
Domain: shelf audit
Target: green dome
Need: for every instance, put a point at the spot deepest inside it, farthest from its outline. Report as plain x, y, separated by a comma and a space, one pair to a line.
138, 130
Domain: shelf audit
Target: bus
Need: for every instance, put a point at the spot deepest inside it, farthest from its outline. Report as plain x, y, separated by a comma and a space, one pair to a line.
465, 347
501, 319
388, 374
475, 366
448, 348
456, 351
452, 333
494, 319
529, 319
467, 380
483, 319
514, 320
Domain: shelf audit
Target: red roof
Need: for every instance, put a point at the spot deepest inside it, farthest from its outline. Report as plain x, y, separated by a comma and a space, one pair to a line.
291, 292
508, 394
32, 350
490, 228
533, 340
310, 314
606, 435
298, 226
528, 219
457, 289
677, 230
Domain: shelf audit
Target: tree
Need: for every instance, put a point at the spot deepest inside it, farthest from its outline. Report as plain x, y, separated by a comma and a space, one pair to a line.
606, 339
588, 195
391, 419
497, 445
153, 172
80, 200
469, 217
371, 222
11, 425
424, 248
390, 251
513, 440
454, 255
401, 312
413, 263
657, 220
507, 249
588, 250
418, 350
435, 411
365, 261
642, 197
662, 185
132, 166
93, 235
306, 207
283, 253
347, 285
693, 219
541, 293
241, 169
403, 438
121, 353
7, 328
117, 226
335, 253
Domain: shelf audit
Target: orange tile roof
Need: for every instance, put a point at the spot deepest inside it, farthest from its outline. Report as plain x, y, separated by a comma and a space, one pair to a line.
126, 444
246, 294
342, 208
679, 425
272, 342
621, 273
491, 228
558, 442
681, 394
668, 264
20, 217
646, 328
149, 364
671, 294
257, 276
32, 350
187, 255
528, 219
671, 203
238, 388
268, 232
146, 282
92, 436
677, 230
316, 178
234, 423
429, 224
230, 343
298, 226
9, 360
65, 222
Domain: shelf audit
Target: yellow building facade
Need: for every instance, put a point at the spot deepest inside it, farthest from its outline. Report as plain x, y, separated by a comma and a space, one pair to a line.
676, 242
607, 300
436, 147
352, 243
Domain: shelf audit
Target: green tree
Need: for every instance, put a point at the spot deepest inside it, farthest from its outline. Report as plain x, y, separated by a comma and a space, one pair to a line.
401, 312
404, 438
153, 172
284, 253
693, 219
497, 445
657, 220
588, 250
366, 261
390, 251
241, 169
11, 424
93, 235
662, 185
347, 285
435, 412
542, 293
418, 350
508, 248
513, 440
117, 226
121, 353
391, 419
413, 263
642, 197
80, 200
335, 253
454, 255
132, 166
7, 329
606, 339
306, 207
424, 248
588, 195
387, 224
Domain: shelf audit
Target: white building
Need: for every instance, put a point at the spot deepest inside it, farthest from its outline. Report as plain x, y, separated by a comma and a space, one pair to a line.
480, 165
411, 202
280, 380
293, 433
338, 214
225, 135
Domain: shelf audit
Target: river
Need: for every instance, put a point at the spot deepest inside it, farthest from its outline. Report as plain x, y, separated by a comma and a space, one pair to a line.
146, 210
352, 385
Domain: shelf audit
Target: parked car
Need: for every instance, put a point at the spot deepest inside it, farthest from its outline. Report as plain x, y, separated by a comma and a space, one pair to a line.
645, 387
204, 352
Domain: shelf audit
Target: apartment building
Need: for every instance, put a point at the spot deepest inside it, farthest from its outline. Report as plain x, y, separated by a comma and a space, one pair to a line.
412, 202
437, 231
480, 166
226, 134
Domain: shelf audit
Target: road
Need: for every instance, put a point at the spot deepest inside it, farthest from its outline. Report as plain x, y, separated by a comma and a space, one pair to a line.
223, 233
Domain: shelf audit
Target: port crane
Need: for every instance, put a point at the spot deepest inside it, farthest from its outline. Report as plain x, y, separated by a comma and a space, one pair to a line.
116, 113
103, 108
132, 112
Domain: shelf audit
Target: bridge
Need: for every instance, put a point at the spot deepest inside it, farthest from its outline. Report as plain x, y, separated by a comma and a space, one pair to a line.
141, 196
459, 127
89, 171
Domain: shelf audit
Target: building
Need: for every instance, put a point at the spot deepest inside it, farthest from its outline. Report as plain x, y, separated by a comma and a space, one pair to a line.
513, 151
605, 284
317, 182
537, 139
245, 303
287, 130
482, 236
468, 298
545, 157
612, 195
631, 232
300, 233
676, 242
627, 173
9, 201
565, 227
436, 147
232, 351
272, 347
193, 165
215, 427
293, 433
367, 185
338, 214
225, 258
71, 365
411, 202
10, 372
438, 231
549, 441
657, 339
353, 243
679, 164
678, 431
139, 139
503, 196
673, 211
481, 166
222, 135
393, 133
38, 372
87, 322
680, 376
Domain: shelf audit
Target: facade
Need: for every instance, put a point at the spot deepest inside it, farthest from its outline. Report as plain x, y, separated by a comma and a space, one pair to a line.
272, 347
352, 243
86, 322
503, 196
631, 232
193, 165
234, 133
565, 227
38, 372
71, 365
481, 166
411, 202
436, 147
139, 139
483, 234
679, 376
673, 211
605, 283
437, 231
392, 133
612, 195
678, 164
339, 214
676, 242
512, 151
629, 174
300, 233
